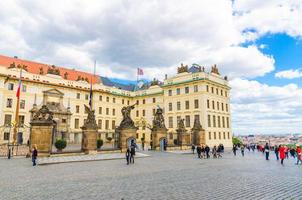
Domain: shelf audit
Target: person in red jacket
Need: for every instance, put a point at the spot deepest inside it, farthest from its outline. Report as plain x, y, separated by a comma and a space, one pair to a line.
299, 157
282, 153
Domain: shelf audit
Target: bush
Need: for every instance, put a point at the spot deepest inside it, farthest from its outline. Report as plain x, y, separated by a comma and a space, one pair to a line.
236, 141
60, 144
99, 143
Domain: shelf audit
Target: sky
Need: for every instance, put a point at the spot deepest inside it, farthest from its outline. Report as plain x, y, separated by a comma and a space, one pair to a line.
257, 44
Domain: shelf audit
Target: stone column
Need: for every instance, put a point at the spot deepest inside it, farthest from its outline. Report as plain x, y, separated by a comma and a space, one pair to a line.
125, 135
89, 133
41, 131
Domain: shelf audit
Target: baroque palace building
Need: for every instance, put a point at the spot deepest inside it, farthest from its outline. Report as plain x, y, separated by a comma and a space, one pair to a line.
191, 93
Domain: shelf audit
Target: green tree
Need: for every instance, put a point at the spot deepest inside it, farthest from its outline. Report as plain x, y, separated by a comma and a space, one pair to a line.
236, 141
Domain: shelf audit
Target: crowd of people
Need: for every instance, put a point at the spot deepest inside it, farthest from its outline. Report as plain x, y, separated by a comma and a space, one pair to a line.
204, 151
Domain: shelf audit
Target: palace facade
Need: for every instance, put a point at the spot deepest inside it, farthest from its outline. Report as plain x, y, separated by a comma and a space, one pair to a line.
191, 93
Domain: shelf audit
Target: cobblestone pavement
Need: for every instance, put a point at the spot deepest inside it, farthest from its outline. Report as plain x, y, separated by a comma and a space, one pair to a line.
161, 176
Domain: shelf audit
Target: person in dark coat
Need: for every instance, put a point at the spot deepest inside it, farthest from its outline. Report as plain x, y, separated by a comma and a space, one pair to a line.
266, 150
276, 149
34, 155
132, 154
193, 148
207, 150
198, 150
128, 156
234, 150
203, 152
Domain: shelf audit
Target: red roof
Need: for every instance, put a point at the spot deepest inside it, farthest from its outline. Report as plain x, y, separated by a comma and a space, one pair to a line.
34, 68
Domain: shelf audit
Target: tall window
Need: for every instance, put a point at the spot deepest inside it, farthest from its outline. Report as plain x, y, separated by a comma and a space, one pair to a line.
123, 101
137, 102
170, 92
178, 105
187, 90
178, 118
113, 112
24, 88
221, 92
187, 120
217, 91
107, 124
214, 135
228, 122
218, 119
7, 119
154, 100
113, 100
77, 109
195, 88
209, 120
10, 86
210, 136
86, 96
107, 99
100, 110
107, 111
224, 135
144, 113
207, 88
9, 103
170, 106
100, 98
76, 123
223, 123
228, 135
22, 104
226, 93
217, 105
21, 120
219, 136
214, 121
178, 91
208, 103
212, 89
226, 107
222, 106
6, 136
113, 124
213, 105
78, 95
196, 103
144, 101
170, 122
187, 105
137, 113
100, 124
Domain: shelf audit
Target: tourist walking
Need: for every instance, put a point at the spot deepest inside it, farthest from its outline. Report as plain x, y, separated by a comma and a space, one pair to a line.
286, 151
276, 149
128, 156
214, 151
207, 150
203, 152
292, 152
132, 154
34, 155
234, 150
242, 150
198, 150
193, 148
299, 157
266, 150
282, 153
219, 151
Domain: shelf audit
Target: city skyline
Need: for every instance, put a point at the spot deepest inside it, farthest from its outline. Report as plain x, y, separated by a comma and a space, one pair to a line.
258, 45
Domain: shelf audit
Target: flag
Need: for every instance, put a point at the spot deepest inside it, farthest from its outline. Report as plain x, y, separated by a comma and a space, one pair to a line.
19, 85
90, 95
140, 71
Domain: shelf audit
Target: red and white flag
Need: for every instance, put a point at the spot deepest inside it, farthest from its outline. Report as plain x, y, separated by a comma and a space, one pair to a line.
140, 71
19, 86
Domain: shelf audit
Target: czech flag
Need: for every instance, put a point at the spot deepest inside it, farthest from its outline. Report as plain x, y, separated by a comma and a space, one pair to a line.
140, 71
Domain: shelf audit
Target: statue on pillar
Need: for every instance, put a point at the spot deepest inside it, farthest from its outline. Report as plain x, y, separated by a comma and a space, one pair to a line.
43, 115
127, 122
159, 120
90, 122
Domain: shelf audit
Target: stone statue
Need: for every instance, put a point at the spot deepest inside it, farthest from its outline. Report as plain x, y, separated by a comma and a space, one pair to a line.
197, 125
215, 70
53, 70
43, 115
158, 121
182, 68
127, 122
41, 71
90, 121
181, 124
154, 82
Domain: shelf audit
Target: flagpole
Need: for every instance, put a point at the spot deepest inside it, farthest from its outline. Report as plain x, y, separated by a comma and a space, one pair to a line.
17, 110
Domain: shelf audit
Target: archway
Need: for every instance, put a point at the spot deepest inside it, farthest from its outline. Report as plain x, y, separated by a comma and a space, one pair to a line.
163, 144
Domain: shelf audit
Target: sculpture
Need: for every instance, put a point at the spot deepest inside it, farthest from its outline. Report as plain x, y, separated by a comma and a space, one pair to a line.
41, 71
127, 122
182, 68
214, 70
65, 75
158, 121
44, 114
90, 121
154, 82
197, 125
53, 70
181, 124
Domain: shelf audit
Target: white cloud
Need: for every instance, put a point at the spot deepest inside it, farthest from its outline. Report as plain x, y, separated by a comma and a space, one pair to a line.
289, 74
260, 108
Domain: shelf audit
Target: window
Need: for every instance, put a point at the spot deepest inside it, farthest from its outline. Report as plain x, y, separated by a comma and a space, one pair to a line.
170, 122
77, 109
113, 100
207, 88
223, 123
100, 110
209, 120
212, 89
128, 102
208, 103
9, 103
144, 101
228, 135
137, 102
144, 113
170, 107
219, 136
7, 119
228, 122
64, 121
101, 98
178, 91
76, 123
23, 88
6, 136
113, 112
196, 103
221, 92
187, 105
226, 107
213, 105
178, 105
10, 86
187, 120
214, 135
22, 104
100, 124
107, 99
78, 95
178, 118
137, 113
214, 121
86, 96
222, 107
217, 105
195, 88
107, 111
217, 91
218, 120
170, 92
226, 93
171, 136
224, 135
210, 136
123, 101
186, 90
153, 100
107, 124
113, 124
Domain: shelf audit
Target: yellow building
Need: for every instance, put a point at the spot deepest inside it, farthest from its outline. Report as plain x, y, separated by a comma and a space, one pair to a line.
191, 93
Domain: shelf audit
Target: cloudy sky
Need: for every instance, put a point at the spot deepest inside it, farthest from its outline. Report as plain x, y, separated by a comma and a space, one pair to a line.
256, 43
